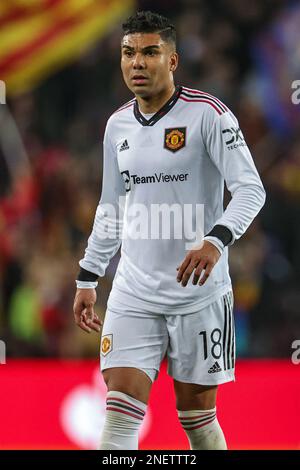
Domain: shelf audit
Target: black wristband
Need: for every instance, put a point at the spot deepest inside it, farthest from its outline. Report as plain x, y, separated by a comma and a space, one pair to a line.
85, 275
222, 233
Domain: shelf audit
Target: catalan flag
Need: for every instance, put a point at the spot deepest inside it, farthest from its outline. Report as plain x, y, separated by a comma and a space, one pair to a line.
39, 36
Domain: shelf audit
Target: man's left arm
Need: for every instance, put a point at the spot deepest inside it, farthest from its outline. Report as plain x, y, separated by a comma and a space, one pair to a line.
228, 150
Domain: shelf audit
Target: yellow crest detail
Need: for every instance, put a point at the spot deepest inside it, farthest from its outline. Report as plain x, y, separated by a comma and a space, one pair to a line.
106, 344
175, 139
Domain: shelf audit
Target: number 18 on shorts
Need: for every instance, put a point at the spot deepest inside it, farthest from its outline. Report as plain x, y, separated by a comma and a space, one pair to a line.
199, 347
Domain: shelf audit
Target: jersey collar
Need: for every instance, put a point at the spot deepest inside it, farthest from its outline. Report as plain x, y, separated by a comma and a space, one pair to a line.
160, 113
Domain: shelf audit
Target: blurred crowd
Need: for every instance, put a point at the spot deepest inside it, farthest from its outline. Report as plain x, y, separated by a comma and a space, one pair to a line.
247, 54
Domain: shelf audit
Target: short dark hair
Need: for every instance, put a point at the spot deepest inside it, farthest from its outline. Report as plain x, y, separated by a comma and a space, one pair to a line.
149, 22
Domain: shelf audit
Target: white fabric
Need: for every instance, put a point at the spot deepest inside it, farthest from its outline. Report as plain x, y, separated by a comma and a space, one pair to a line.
120, 431
146, 274
208, 437
86, 284
142, 340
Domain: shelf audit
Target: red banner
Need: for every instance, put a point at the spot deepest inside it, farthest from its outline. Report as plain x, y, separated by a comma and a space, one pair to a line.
60, 405
40, 36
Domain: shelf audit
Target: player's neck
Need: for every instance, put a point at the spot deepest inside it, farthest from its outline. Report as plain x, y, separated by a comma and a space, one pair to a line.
152, 104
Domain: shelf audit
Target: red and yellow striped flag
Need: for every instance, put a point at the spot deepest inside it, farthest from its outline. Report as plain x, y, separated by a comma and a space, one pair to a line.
38, 36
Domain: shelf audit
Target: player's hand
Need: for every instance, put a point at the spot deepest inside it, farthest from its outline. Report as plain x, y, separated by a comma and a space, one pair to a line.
203, 259
83, 309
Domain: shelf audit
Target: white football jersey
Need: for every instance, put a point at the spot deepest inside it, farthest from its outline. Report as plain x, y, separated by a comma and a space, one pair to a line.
174, 163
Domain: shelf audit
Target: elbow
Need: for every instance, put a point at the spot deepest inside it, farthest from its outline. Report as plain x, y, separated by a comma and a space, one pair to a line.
254, 192
258, 194
262, 196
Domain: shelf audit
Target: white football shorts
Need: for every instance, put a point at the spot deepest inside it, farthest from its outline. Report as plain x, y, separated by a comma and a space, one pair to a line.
200, 347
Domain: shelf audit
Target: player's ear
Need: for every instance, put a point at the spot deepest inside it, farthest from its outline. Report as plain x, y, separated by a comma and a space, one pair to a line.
173, 61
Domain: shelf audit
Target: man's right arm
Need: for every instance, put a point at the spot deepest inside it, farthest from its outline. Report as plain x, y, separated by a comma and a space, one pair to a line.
104, 241
106, 235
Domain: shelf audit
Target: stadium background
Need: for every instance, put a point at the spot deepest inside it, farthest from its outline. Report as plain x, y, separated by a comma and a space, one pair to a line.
59, 60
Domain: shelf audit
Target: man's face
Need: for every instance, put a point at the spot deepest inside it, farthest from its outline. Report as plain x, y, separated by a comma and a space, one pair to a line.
147, 63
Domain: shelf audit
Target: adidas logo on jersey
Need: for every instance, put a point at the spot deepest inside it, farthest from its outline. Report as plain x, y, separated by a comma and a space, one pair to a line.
215, 368
124, 146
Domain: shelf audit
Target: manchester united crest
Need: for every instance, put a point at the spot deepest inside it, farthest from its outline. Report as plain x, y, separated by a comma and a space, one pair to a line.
106, 344
175, 139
